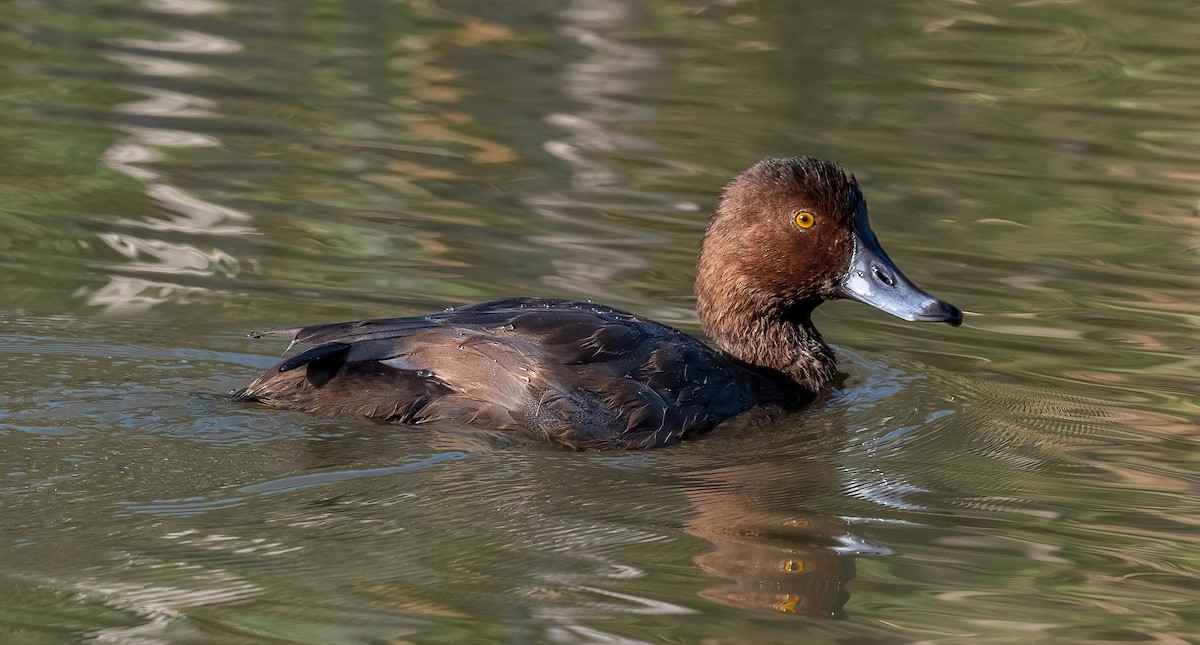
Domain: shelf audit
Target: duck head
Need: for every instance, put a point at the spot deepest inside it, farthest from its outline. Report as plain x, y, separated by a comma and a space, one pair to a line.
787, 235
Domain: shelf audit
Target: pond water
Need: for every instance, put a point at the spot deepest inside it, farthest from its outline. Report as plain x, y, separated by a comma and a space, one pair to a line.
177, 173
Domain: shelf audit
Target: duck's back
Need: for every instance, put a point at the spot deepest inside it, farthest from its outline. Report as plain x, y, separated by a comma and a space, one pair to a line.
573, 372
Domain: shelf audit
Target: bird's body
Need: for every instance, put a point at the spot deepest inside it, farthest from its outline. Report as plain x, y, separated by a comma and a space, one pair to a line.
787, 235
574, 373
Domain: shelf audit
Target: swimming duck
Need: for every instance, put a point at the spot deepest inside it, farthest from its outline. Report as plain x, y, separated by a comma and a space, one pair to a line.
786, 235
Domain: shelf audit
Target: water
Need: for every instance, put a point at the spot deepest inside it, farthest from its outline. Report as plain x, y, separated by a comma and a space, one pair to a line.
177, 173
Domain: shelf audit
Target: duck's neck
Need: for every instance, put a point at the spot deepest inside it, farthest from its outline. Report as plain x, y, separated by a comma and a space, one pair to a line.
769, 335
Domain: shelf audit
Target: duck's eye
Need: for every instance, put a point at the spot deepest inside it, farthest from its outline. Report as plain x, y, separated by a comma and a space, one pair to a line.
805, 219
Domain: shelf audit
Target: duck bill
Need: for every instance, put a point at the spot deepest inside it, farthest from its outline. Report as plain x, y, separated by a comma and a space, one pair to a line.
874, 279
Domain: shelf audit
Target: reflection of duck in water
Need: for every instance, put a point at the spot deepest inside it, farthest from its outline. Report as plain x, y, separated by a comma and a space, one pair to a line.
797, 565
767, 550
787, 235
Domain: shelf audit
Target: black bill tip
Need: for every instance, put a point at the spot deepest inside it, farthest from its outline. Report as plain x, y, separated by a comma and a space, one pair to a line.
941, 311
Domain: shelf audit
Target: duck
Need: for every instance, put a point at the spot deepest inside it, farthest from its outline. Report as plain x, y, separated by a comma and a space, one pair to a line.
786, 235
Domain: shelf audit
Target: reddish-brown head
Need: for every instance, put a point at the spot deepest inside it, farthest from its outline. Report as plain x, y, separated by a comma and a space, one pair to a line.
781, 235
789, 234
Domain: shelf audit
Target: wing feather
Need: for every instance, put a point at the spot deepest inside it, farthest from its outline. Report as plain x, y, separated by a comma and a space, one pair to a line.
571, 372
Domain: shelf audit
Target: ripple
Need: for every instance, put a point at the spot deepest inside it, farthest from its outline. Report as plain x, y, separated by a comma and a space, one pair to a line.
183, 41
302, 482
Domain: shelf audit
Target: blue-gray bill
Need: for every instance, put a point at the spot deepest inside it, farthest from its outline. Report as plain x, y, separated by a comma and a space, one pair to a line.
874, 279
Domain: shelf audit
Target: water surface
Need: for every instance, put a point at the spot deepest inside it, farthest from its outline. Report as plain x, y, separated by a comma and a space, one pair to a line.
177, 173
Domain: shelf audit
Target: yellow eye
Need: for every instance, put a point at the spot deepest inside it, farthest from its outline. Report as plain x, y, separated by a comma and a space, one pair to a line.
805, 219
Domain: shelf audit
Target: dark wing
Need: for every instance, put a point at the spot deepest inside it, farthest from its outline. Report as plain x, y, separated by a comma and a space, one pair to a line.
572, 372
